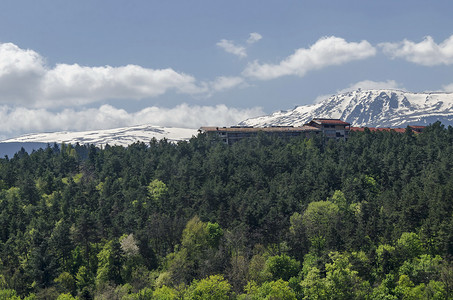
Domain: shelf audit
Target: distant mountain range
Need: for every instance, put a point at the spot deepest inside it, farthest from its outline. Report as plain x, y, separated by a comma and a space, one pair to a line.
368, 108
361, 108
118, 136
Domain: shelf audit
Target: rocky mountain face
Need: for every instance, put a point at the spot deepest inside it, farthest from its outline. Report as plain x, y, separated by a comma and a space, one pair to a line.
368, 108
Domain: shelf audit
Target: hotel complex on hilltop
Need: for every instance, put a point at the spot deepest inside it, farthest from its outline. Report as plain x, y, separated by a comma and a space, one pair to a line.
330, 128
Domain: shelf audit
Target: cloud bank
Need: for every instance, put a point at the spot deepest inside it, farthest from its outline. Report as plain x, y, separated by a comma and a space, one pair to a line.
426, 52
327, 51
26, 80
19, 120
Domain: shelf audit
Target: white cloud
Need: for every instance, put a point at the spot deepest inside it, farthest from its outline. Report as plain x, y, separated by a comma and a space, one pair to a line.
20, 73
254, 37
365, 85
26, 80
15, 60
448, 88
80, 85
18, 120
426, 53
230, 47
195, 116
325, 52
373, 85
223, 83
239, 50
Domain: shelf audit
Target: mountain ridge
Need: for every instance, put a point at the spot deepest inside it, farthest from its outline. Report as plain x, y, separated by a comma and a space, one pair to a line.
361, 108
122, 136
368, 108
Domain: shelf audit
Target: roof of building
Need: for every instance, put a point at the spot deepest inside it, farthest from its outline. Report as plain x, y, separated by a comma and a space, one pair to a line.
257, 129
322, 121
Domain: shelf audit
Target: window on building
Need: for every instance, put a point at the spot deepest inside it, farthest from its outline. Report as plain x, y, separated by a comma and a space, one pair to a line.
330, 132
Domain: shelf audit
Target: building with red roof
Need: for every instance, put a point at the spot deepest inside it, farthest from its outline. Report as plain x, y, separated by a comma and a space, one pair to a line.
231, 135
331, 128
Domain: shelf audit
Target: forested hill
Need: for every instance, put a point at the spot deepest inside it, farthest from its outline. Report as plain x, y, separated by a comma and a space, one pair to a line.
265, 218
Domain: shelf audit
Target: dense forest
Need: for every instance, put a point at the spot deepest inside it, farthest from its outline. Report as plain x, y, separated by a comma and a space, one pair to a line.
265, 218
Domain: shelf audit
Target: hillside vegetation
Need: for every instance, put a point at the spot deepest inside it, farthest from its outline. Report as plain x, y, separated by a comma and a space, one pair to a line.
265, 218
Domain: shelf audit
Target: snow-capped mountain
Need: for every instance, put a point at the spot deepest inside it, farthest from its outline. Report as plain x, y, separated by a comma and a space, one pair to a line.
370, 108
118, 136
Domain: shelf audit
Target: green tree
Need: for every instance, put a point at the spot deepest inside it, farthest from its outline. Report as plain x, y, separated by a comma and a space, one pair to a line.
386, 259
157, 190
181, 268
382, 292
215, 233
282, 267
408, 246
339, 199
66, 283
257, 269
84, 280
343, 282
276, 290
66, 297
60, 243
320, 219
197, 251
215, 287
422, 269
313, 286
110, 260
297, 236
195, 236
279, 289
7, 294
163, 293
132, 260
407, 290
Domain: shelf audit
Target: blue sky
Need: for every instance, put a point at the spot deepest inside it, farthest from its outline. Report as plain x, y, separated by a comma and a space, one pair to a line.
80, 65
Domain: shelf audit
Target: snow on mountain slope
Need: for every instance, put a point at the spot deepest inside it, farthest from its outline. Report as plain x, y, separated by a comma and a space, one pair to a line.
118, 136
371, 108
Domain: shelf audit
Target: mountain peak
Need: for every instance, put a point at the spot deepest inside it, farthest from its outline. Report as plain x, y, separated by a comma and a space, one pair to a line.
369, 108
